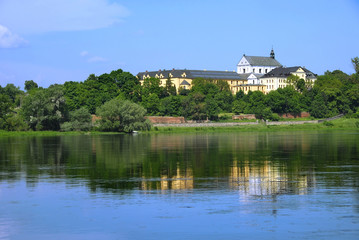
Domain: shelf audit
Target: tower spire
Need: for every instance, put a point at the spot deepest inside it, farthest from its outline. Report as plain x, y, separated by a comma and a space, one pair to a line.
272, 55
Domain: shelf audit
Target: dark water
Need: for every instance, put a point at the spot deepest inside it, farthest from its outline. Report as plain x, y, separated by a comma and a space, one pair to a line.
288, 185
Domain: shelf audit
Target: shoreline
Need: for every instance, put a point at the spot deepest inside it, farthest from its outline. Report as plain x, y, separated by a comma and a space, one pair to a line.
337, 124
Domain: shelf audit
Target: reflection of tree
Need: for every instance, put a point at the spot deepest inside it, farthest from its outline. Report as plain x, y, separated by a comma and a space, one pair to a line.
252, 163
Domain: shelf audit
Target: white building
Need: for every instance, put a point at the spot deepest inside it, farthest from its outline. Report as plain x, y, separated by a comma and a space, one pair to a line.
257, 66
278, 78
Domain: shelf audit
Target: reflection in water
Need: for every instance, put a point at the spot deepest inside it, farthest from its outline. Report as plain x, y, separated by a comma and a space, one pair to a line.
253, 164
177, 182
267, 179
295, 185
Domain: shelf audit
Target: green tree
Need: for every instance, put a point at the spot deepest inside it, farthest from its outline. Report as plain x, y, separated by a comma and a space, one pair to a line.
212, 109
30, 84
5, 109
319, 107
151, 103
284, 100
13, 92
122, 116
355, 62
171, 106
45, 109
80, 120
152, 86
194, 107
239, 106
240, 95
224, 100
170, 88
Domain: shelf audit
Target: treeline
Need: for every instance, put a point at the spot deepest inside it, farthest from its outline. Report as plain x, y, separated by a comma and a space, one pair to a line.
121, 103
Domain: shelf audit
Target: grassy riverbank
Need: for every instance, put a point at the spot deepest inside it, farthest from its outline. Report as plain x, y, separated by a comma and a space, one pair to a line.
339, 124
50, 133
343, 124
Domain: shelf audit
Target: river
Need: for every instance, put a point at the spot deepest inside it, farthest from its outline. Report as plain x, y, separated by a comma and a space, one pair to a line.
285, 185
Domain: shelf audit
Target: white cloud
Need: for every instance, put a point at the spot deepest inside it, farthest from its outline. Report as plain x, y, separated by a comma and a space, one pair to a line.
39, 16
9, 39
84, 53
92, 59
96, 59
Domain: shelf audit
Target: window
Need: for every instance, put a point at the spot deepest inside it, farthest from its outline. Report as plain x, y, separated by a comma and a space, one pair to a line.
244, 70
266, 71
260, 70
254, 70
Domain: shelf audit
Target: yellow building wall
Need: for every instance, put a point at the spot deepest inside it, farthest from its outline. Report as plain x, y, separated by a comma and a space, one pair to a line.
234, 85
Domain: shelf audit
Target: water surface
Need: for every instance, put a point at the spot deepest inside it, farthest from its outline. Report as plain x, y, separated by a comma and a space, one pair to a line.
287, 185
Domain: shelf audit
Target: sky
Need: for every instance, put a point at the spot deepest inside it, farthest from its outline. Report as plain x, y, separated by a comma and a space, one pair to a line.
54, 41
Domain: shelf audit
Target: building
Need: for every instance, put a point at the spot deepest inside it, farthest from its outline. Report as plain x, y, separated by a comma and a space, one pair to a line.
256, 66
278, 77
254, 73
182, 78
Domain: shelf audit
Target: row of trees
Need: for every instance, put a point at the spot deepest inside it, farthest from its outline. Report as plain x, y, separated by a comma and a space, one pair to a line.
121, 102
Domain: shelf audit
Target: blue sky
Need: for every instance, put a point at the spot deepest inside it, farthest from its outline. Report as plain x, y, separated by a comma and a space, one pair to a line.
53, 41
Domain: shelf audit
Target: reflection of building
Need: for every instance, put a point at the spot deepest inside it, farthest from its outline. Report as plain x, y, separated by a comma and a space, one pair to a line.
266, 179
178, 182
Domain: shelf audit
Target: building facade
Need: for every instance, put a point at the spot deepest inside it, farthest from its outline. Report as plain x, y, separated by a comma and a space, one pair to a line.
278, 77
182, 78
253, 74
256, 66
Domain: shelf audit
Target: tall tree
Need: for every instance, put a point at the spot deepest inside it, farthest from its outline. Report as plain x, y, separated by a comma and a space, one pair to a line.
30, 84
355, 62
45, 109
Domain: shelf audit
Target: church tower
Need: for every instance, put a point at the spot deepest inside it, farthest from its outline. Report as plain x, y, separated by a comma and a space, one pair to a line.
272, 55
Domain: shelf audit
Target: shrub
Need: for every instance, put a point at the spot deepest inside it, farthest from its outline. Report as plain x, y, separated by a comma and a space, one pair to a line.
275, 117
328, 124
122, 116
80, 120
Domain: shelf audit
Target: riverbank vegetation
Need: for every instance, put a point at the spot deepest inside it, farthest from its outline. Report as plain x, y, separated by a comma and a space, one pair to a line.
121, 103
338, 124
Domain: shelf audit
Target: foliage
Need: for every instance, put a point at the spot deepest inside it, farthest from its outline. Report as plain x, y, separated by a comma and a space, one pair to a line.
171, 106
44, 109
193, 106
224, 100
96, 90
170, 88
80, 120
239, 106
122, 116
284, 100
30, 84
355, 62
318, 107
152, 86
152, 103
212, 109
5, 109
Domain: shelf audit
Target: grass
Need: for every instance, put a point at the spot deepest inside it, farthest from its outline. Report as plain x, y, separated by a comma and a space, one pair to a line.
49, 133
339, 124
342, 124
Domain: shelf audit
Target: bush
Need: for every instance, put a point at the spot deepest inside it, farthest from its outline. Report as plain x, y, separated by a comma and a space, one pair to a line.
122, 116
328, 124
16, 123
80, 120
275, 117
